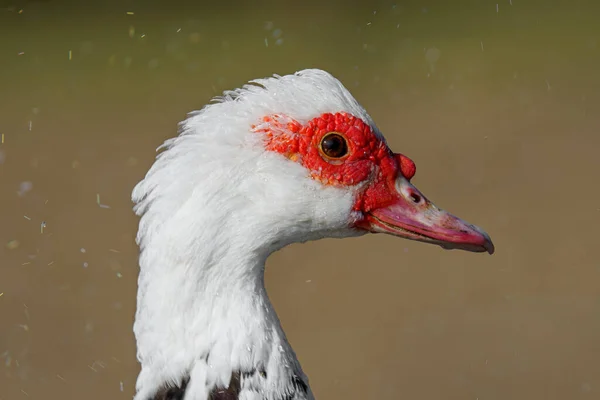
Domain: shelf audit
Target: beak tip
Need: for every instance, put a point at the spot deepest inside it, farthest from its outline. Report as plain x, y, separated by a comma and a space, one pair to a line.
489, 247
481, 243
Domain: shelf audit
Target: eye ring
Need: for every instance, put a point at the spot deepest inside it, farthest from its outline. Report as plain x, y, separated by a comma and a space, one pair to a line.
334, 146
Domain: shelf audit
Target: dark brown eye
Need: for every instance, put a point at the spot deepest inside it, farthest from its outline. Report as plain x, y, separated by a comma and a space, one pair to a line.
334, 145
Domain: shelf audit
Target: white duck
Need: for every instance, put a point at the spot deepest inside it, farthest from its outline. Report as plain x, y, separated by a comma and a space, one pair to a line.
282, 160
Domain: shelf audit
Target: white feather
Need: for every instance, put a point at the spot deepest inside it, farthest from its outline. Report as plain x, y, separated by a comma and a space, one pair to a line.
213, 207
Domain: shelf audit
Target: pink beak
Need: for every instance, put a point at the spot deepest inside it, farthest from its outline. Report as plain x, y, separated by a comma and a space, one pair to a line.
414, 217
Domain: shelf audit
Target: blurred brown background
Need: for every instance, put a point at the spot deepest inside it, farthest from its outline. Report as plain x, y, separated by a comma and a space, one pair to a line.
497, 102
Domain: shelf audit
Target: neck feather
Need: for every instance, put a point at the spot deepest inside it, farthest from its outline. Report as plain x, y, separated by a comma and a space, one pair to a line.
204, 315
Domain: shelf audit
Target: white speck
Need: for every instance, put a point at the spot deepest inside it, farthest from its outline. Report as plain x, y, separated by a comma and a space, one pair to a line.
119, 275
7, 358
308, 280
30, 125
496, 7
178, 30
85, 265
24, 187
121, 385
481, 45
368, 23
266, 42
82, 250
98, 202
129, 13
70, 55
27, 218
548, 85
21, 53
432, 55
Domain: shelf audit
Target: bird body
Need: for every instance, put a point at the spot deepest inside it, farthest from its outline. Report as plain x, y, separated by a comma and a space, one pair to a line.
281, 160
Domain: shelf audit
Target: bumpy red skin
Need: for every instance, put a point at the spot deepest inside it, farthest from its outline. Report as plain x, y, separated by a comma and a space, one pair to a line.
368, 158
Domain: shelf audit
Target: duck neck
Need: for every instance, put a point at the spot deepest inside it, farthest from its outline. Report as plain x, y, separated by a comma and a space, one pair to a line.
207, 320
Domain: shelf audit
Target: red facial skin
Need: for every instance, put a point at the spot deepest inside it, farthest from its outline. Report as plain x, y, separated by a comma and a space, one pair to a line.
386, 201
367, 155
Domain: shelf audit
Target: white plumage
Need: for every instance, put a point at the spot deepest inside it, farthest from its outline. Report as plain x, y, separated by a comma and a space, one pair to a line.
213, 207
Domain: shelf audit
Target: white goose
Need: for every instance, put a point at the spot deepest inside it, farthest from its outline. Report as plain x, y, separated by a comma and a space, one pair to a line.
282, 160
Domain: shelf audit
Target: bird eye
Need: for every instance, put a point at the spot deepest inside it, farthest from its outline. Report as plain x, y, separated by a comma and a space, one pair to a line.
334, 145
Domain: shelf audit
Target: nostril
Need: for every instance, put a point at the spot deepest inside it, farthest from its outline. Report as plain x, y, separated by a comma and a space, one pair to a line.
415, 197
